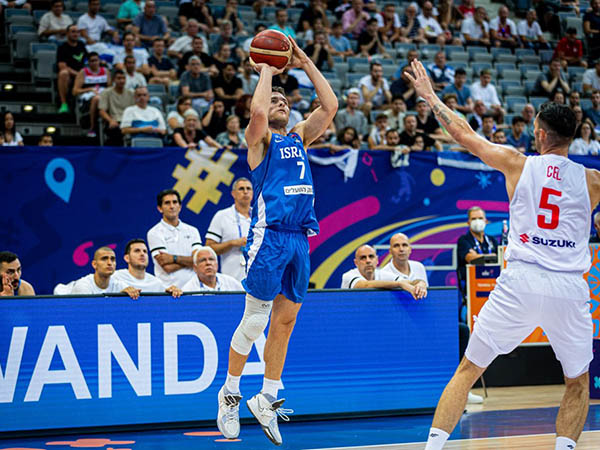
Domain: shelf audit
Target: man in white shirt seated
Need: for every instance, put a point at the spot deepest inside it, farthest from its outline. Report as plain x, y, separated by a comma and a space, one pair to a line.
207, 277
401, 268
228, 229
365, 274
101, 281
485, 91
172, 243
136, 257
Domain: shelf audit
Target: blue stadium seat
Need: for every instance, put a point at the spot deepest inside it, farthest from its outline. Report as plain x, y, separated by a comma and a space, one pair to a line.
146, 142
513, 102
537, 102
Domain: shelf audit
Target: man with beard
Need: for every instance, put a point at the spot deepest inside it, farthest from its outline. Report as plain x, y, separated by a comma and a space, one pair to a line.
10, 271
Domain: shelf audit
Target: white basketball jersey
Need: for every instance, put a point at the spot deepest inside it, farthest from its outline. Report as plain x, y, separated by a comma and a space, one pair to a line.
550, 215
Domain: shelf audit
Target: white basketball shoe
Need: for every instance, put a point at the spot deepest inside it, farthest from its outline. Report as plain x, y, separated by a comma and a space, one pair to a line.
228, 417
266, 409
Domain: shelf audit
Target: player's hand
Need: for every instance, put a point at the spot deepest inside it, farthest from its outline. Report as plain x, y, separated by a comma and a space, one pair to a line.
299, 58
241, 242
420, 80
7, 289
263, 66
174, 291
164, 258
132, 292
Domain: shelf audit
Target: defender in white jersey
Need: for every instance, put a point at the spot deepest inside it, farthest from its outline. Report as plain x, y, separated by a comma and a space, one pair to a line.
551, 199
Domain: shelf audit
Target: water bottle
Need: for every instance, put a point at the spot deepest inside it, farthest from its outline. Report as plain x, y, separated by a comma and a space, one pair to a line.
504, 232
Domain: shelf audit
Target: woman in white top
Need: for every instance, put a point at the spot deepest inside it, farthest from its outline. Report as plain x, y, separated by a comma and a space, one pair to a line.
175, 118
586, 144
9, 136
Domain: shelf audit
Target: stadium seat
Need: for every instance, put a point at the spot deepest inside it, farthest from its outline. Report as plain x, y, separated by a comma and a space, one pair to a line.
546, 56
510, 74
173, 92
479, 54
146, 142
575, 22
460, 56
496, 51
585, 103
529, 87
575, 72
335, 83
353, 79
537, 102
524, 68
402, 49
353, 60
389, 71
453, 48
515, 103
500, 67
361, 68
43, 68
170, 12
478, 67
515, 90
428, 51
532, 75
112, 8
20, 42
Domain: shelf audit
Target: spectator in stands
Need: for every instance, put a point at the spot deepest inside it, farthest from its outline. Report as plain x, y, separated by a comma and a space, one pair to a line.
409, 137
230, 14
248, 77
376, 138
354, 20
9, 136
486, 91
347, 138
340, 44
503, 31
528, 113
475, 30
320, 52
232, 137
228, 229
215, 119
140, 56
148, 25
175, 118
162, 70
196, 85
309, 36
53, 24
183, 44
223, 56
375, 90
370, 41
316, 9
402, 268
467, 8
191, 135
92, 25
290, 85
208, 63
591, 79
594, 112
518, 138
427, 124
133, 78
479, 110
113, 101
530, 32
281, 23
141, 119
441, 74
569, 50
499, 137
101, 281
172, 242
128, 11
434, 33
595, 237
45, 140
488, 126
227, 86
246, 44
10, 276
226, 37
586, 143
558, 97
388, 23
579, 116
14, 4
207, 276
352, 116
136, 257
411, 30
70, 57
548, 83
404, 88
242, 110
449, 16
591, 28
396, 114
198, 10
462, 92
89, 84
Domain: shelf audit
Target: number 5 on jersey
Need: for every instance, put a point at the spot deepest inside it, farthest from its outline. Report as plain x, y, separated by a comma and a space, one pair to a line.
554, 209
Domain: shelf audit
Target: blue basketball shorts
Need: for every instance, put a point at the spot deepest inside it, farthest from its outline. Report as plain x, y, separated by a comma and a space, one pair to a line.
277, 262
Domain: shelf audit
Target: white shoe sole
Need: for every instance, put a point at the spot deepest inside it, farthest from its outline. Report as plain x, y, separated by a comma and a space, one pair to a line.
264, 428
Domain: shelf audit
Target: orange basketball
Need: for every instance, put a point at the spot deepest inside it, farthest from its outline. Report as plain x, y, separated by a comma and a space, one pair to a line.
271, 47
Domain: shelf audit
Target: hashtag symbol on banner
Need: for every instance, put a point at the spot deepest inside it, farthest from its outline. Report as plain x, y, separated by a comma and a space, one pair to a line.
203, 175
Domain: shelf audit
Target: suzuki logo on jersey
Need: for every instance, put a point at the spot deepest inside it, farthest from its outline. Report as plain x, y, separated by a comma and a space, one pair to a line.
556, 243
291, 152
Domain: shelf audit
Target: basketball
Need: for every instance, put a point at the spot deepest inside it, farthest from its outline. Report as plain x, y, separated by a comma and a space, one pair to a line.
271, 47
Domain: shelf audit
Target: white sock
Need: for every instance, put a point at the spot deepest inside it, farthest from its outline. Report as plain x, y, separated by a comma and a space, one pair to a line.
232, 383
564, 443
270, 387
436, 440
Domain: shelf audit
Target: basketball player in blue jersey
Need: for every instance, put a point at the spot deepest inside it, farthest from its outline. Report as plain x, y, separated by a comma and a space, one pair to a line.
283, 215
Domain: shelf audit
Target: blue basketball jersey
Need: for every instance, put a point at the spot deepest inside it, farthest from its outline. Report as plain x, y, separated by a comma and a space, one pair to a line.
283, 187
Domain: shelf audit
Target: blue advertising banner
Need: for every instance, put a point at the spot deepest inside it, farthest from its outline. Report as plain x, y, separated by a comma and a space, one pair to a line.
100, 361
63, 203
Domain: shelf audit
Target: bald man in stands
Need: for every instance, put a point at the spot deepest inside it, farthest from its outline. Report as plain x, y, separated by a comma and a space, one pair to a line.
365, 275
402, 268
10, 274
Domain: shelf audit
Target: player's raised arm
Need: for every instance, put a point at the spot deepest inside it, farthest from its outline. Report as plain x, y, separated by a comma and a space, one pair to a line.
320, 119
258, 127
509, 161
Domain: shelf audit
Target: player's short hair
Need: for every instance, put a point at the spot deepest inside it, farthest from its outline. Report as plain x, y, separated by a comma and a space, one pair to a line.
278, 89
486, 116
373, 64
460, 71
131, 242
518, 119
558, 121
162, 194
7, 257
102, 249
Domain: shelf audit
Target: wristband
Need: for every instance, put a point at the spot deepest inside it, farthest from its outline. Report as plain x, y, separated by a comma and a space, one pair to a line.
175, 258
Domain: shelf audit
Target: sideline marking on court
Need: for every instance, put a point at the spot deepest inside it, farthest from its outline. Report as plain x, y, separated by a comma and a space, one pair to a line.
452, 441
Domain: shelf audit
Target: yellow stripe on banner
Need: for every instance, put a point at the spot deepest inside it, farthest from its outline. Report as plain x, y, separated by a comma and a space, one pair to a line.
264, 51
321, 275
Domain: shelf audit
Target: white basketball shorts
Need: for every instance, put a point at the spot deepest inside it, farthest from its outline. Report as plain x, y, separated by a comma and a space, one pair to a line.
527, 296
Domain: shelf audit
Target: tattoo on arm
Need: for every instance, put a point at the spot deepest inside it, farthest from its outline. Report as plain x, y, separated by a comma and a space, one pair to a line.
438, 111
